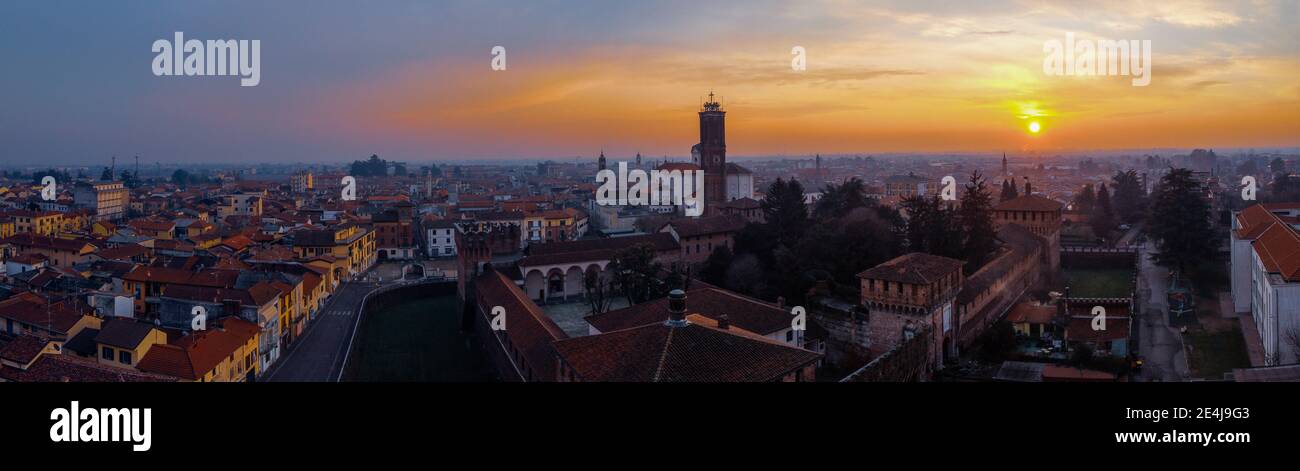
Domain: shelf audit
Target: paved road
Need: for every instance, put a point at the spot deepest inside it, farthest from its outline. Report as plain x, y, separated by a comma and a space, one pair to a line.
1161, 346
318, 355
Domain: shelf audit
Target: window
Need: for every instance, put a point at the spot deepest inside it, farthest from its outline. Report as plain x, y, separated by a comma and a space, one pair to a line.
124, 357
106, 353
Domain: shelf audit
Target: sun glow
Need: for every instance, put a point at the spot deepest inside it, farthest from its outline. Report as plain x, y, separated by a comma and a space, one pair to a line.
1034, 127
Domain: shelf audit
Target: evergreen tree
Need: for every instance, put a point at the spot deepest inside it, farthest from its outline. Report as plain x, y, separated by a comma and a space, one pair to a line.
1102, 219
715, 267
785, 211
1180, 221
1130, 198
1086, 200
976, 217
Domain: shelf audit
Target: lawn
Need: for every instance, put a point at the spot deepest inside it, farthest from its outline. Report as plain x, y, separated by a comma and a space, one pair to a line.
1211, 354
1099, 283
418, 340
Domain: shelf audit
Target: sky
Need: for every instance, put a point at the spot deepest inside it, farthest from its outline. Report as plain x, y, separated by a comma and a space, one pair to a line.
412, 80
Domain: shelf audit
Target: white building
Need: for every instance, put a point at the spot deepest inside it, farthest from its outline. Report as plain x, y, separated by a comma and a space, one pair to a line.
441, 238
1265, 251
107, 199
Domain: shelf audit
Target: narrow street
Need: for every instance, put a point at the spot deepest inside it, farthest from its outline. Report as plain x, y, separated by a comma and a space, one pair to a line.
318, 355
1160, 345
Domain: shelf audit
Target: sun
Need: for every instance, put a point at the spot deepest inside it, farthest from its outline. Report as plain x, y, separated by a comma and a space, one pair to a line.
1034, 127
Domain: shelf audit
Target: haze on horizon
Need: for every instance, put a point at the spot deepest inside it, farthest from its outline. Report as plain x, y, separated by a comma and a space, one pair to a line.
411, 80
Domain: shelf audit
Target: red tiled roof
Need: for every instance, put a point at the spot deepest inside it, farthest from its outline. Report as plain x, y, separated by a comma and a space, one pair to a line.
914, 268
1278, 248
66, 368
23, 349
1029, 203
198, 353
47, 242
749, 314
702, 226
30, 309
693, 353
527, 327
1252, 221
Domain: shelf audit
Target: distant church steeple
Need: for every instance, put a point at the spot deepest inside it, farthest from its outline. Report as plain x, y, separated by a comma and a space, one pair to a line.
1004, 164
601, 161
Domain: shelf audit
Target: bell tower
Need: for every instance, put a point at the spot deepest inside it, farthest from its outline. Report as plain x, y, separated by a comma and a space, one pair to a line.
713, 154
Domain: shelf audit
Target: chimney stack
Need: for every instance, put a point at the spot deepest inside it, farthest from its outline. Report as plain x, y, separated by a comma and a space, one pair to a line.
676, 308
723, 322
780, 302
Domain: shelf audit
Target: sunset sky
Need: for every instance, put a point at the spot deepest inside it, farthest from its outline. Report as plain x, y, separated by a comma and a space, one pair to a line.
412, 80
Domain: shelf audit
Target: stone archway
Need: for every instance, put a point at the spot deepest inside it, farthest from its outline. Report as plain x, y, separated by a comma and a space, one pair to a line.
555, 284
535, 285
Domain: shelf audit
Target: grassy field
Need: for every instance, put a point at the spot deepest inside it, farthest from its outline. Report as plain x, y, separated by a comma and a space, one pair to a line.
419, 340
1099, 283
1211, 354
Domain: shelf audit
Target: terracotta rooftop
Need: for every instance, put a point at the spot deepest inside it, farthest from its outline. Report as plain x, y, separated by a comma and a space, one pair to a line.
196, 354
702, 226
1029, 203
749, 314
67, 368
658, 352
914, 268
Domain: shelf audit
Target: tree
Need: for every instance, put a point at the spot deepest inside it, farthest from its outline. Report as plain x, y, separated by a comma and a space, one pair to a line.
838, 200
1249, 167
1102, 218
372, 167
975, 216
746, 276
636, 273
785, 211
1130, 197
998, 342
1011, 191
1180, 221
600, 293
1277, 165
180, 177
1285, 188
715, 267
932, 226
1086, 200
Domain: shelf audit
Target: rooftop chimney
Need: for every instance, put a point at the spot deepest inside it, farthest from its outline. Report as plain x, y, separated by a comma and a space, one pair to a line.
723, 322
780, 302
676, 308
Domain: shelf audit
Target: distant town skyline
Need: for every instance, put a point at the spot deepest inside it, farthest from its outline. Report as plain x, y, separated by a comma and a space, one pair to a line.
411, 81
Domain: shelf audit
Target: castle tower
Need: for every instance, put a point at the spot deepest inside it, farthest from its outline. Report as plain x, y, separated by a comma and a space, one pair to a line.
713, 154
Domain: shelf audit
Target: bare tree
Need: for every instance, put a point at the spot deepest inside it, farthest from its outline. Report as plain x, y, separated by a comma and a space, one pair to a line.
1293, 339
599, 293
